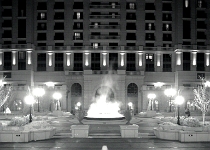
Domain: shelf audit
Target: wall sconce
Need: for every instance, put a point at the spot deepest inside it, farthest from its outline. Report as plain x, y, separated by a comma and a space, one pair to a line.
186, 3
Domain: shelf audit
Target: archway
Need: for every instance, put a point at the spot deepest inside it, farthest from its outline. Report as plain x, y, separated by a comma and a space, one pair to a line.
132, 95
76, 96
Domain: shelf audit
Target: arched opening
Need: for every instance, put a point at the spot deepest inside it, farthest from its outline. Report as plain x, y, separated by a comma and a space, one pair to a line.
132, 95
76, 96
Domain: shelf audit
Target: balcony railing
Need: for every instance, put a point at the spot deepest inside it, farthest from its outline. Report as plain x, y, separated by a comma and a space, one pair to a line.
104, 27
104, 16
104, 37
105, 6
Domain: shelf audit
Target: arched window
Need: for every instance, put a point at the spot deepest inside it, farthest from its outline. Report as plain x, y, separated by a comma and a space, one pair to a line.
132, 90
76, 90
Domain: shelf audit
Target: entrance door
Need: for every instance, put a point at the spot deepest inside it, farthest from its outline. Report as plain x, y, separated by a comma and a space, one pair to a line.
132, 95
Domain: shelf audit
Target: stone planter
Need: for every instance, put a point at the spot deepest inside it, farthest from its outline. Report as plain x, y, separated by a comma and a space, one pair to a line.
166, 134
25, 136
190, 136
80, 131
129, 131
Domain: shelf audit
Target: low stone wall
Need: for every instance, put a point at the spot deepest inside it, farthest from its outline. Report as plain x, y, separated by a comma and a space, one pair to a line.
26, 136
80, 131
183, 133
129, 131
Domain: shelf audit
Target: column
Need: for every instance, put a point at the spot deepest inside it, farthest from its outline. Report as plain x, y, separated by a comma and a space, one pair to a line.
140, 60
122, 61
87, 61
207, 62
28, 59
179, 61
158, 68
68, 60
194, 60
104, 61
1, 61
14, 60
50, 62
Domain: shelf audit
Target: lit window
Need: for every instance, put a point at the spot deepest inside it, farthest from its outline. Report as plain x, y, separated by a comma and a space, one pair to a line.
96, 25
131, 5
78, 15
42, 15
113, 5
95, 45
149, 56
77, 35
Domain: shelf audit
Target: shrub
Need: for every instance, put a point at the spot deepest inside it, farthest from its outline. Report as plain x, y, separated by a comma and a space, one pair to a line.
191, 122
19, 121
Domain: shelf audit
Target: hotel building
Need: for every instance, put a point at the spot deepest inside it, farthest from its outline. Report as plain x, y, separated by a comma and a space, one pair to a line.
129, 48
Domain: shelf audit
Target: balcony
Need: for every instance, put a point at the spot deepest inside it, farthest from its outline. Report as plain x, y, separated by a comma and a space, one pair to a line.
105, 7
104, 16
105, 37
104, 27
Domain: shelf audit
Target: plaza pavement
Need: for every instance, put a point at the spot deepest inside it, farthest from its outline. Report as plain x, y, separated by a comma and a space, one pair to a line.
63, 141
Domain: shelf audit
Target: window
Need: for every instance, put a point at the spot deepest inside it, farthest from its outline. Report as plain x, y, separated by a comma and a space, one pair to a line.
131, 62
186, 61
131, 5
200, 62
78, 15
95, 61
76, 90
150, 62
95, 45
21, 55
42, 15
167, 63
78, 36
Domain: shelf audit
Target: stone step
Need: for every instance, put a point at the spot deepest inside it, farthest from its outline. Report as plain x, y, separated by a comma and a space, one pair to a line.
102, 135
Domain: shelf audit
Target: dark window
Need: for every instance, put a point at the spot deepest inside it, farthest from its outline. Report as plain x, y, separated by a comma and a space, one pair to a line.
41, 62
131, 62
95, 61
149, 6
7, 34
7, 74
21, 8
59, 36
167, 63
59, 26
186, 29
76, 90
42, 6
149, 16
41, 26
22, 28
78, 5
186, 9
78, 62
131, 16
200, 62
113, 61
131, 36
7, 61
59, 16
186, 61
41, 36
132, 90
167, 7
131, 26
59, 5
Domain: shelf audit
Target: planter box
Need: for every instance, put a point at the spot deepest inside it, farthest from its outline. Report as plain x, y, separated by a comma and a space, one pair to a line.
190, 136
25, 136
166, 134
129, 131
80, 131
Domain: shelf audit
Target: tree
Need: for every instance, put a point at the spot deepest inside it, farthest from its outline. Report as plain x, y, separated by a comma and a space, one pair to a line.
5, 93
201, 99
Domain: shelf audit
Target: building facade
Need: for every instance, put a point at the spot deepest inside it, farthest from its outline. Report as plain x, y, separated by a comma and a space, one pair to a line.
126, 46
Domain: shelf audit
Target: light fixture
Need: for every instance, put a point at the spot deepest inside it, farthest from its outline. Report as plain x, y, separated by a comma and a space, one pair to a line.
186, 3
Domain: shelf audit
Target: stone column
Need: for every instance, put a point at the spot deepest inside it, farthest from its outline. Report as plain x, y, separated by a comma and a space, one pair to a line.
28, 60
179, 63
194, 61
207, 62
14, 60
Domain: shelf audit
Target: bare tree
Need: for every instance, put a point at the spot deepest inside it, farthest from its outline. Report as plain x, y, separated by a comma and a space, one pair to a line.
5, 93
201, 99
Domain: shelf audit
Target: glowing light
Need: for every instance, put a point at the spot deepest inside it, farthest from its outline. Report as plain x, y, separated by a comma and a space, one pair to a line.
104, 59
0, 58
29, 57
68, 63
86, 59
57, 95
186, 3
140, 59
158, 84
50, 84
122, 59
178, 58
29, 99
207, 59
194, 58
179, 100
170, 92
158, 59
14, 57
151, 96
50, 59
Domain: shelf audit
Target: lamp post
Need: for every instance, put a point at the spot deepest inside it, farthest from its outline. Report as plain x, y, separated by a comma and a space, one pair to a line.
179, 100
29, 99
38, 92
170, 93
151, 97
57, 96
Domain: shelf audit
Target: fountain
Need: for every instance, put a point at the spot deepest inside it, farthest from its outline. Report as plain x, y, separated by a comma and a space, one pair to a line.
104, 107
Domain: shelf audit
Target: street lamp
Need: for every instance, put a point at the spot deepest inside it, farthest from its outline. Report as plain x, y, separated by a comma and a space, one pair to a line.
57, 96
179, 100
170, 93
29, 99
38, 92
151, 97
